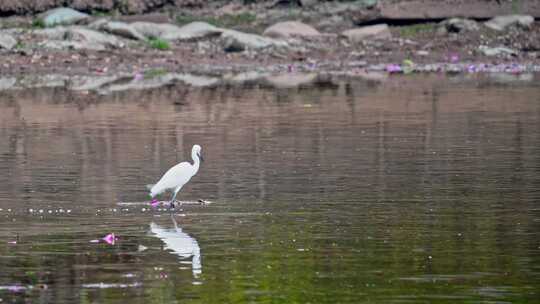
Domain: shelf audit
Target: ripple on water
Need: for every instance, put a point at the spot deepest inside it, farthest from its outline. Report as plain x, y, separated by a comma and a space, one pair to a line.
430, 278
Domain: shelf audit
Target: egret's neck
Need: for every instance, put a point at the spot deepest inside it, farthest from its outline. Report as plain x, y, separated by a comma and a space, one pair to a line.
196, 161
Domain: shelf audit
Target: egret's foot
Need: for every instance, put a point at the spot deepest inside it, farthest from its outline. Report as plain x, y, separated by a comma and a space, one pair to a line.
204, 202
171, 205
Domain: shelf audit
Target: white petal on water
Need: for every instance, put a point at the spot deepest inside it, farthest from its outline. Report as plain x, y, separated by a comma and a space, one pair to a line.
112, 285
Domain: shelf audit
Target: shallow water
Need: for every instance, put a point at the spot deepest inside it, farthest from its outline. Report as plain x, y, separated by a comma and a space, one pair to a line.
407, 190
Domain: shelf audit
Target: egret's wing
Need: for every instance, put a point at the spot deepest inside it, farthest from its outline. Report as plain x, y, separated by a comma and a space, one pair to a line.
175, 176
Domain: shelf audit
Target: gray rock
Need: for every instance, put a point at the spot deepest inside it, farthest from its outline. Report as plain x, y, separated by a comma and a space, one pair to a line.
245, 77
368, 3
457, 25
195, 30
62, 16
122, 29
7, 41
308, 3
44, 81
196, 80
289, 29
290, 80
76, 37
87, 35
129, 83
56, 33
98, 24
238, 41
172, 32
332, 22
438, 9
500, 23
91, 83
7, 83
157, 82
496, 51
154, 30
71, 45
373, 32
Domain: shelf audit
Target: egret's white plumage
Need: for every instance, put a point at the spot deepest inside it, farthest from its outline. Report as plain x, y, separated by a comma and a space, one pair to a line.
176, 177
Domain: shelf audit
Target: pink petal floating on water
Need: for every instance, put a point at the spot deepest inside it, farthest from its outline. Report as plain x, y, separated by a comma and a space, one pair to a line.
94, 241
16, 288
393, 68
12, 242
452, 58
514, 68
110, 238
154, 203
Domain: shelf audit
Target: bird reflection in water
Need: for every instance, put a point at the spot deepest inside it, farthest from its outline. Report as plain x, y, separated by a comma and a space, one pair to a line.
180, 243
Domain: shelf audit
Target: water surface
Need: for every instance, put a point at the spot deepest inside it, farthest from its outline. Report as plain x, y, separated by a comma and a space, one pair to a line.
408, 190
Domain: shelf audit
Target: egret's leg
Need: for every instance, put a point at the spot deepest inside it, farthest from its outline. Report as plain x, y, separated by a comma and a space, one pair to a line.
174, 196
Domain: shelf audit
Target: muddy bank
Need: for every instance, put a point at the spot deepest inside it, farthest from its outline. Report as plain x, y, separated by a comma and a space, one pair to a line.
233, 39
25, 7
361, 10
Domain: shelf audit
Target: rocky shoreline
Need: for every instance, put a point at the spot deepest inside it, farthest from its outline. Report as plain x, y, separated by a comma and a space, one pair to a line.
69, 42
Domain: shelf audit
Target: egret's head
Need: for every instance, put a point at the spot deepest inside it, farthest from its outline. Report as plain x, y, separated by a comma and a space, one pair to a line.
197, 150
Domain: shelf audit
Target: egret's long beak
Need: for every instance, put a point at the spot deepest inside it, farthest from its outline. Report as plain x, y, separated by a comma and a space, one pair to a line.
201, 157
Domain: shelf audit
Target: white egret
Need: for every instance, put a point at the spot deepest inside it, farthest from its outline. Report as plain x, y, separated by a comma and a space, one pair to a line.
176, 177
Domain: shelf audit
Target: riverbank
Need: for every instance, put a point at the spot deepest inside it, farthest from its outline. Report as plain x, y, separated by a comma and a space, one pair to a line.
234, 40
